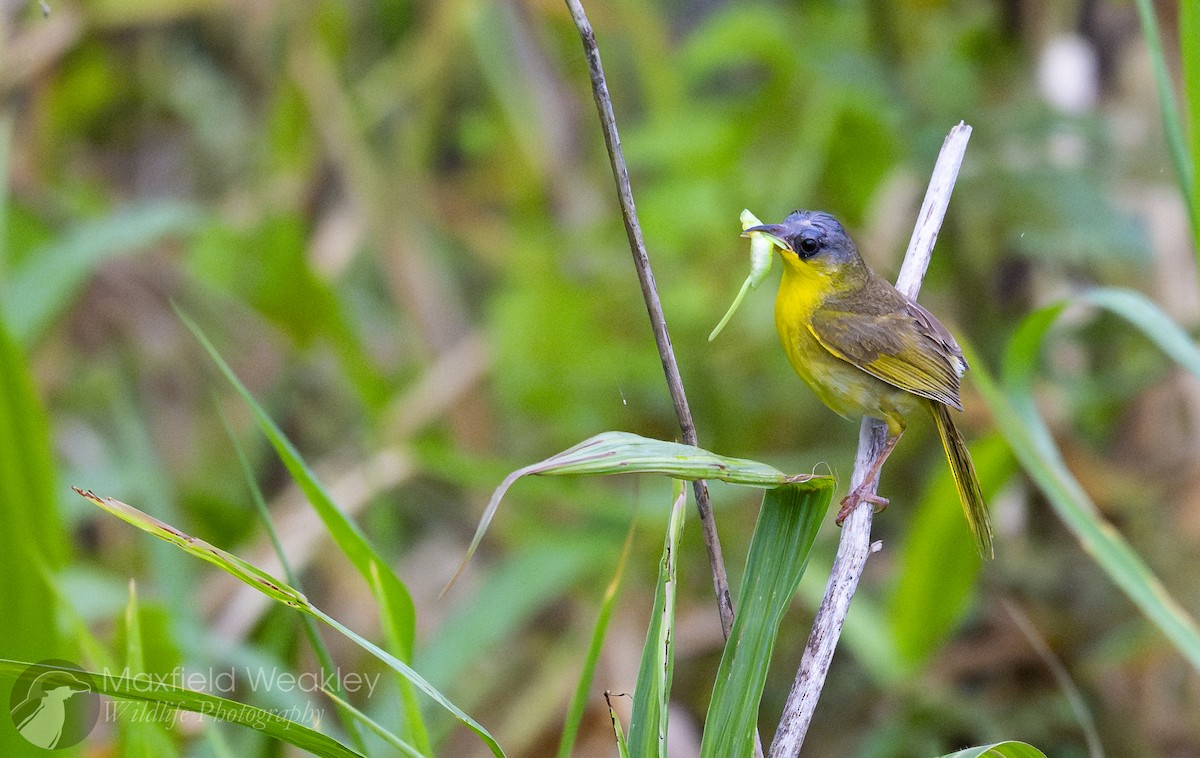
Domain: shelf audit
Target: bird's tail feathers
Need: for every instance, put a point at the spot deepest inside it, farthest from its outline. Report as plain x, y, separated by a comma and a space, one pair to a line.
964, 479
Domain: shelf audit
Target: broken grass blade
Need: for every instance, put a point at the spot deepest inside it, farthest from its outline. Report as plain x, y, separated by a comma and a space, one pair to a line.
280, 591
248, 573
622, 745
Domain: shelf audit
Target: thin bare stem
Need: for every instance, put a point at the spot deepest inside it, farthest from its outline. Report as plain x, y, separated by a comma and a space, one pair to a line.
1070, 690
855, 545
658, 321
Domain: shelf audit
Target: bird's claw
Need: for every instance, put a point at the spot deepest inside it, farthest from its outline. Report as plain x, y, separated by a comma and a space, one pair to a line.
858, 495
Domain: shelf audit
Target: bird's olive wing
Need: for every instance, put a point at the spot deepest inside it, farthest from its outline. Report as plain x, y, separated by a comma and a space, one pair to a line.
904, 345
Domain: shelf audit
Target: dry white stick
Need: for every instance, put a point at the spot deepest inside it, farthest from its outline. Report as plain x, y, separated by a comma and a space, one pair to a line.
855, 545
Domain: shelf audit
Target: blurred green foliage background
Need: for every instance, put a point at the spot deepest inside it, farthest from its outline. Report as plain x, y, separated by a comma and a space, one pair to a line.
396, 221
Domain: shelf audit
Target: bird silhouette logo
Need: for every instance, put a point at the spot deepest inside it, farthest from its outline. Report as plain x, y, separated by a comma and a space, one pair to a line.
53, 706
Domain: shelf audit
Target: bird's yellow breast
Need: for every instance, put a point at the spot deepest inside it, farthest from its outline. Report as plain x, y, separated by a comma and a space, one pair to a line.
846, 389
802, 290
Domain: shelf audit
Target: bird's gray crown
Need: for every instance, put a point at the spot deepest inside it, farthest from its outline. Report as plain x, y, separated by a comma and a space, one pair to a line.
817, 219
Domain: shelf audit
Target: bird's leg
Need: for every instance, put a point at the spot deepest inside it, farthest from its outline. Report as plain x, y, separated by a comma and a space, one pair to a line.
860, 493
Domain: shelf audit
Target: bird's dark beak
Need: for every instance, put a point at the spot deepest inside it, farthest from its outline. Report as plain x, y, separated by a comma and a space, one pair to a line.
774, 231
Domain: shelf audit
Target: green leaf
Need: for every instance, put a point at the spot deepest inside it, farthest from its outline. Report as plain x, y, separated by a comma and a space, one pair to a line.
579, 700
622, 745
396, 610
1172, 123
282, 593
375, 727
1189, 53
648, 723
134, 658
397, 617
151, 694
310, 626
779, 551
349, 538
31, 532
140, 736
625, 453
418, 681
1032, 442
246, 572
1009, 749
44, 285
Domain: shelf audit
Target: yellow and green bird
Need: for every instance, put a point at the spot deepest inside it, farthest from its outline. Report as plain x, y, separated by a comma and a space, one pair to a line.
866, 349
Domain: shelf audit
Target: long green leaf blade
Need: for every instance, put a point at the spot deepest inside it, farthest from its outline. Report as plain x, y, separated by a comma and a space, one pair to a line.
310, 626
625, 453
140, 736
31, 533
412, 676
250, 574
1009, 749
349, 538
1172, 124
779, 551
397, 616
375, 727
1189, 53
592, 658
155, 691
648, 723
1033, 444
283, 593
396, 610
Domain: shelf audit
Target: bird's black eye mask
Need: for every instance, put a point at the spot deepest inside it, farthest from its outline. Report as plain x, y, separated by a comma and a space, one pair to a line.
807, 243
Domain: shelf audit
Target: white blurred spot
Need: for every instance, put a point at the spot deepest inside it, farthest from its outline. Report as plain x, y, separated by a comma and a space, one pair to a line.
1068, 74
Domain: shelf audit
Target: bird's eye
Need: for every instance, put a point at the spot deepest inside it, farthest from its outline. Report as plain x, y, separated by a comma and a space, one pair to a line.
809, 245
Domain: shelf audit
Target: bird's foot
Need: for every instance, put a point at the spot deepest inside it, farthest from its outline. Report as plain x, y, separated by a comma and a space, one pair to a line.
858, 495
